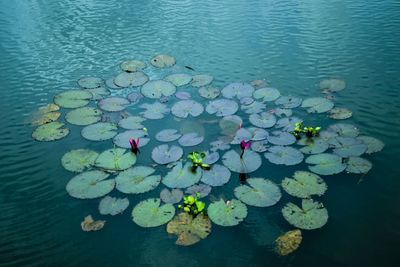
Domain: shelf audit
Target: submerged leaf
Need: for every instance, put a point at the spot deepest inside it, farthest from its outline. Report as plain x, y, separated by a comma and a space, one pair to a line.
332, 85
89, 224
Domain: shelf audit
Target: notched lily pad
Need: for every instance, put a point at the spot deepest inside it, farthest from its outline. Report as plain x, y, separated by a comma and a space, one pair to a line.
312, 215
267, 94
90, 82
50, 132
116, 159
90, 184
168, 135
184, 108
122, 139
83, 116
150, 213
317, 105
344, 129
325, 164
340, 113
99, 131
263, 120
174, 196
373, 144
182, 176
254, 107
201, 80
228, 213
112, 205
284, 155
200, 190
209, 92
165, 154
132, 123
222, 107
304, 185
260, 192
98, 93
154, 111
132, 65
281, 138
358, 165
113, 104
289, 101
73, 99
89, 224
249, 162
190, 139
238, 90
157, 89
137, 180
217, 176
332, 85
79, 160
179, 79
347, 146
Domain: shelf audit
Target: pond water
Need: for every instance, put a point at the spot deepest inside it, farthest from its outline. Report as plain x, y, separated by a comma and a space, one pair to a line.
293, 45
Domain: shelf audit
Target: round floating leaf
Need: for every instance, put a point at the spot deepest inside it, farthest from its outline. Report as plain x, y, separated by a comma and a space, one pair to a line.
113, 104
259, 146
189, 229
126, 79
112, 205
50, 131
267, 94
165, 154
373, 144
281, 138
358, 165
219, 145
280, 112
183, 95
179, 79
43, 118
347, 146
182, 176
249, 162
90, 82
222, 107
284, 155
163, 61
184, 108
304, 185
137, 180
315, 146
260, 192
263, 120
209, 92
230, 124
245, 101
154, 111
288, 101
201, 80
238, 90
132, 123
79, 160
98, 93
168, 135
217, 176
99, 131
91, 184
158, 89
150, 213
211, 157
122, 139
132, 65
83, 116
312, 215
317, 105
287, 124
134, 97
227, 214
325, 164
116, 159
241, 134
73, 99
255, 107
190, 139
344, 129
258, 134
332, 85
110, 83
340, 113
174, 196
201, 189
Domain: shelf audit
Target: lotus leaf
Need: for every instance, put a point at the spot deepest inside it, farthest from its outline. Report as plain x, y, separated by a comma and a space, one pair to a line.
137, 180
122, 139
79, 160
90, 184
90, 82
200, 190
332, 85
184, 108
358, 165
281, 138
163, 61
325, 164
89, 224
304, 185
317, 105
165, 154
73, 99
168, 135
267, 94
132, 65
260, 192
132, 123
98, 93
373, 144
209, 92
179, 79
112, 205
50, 131
347, 146
289, 101
113, 104
154, 111
284, 155
150, 213
174, 196
182, 176
201, 80
288, 242
217, 176
249, 162
83, 116
340, 113
344, 129
263, 120
255, 107
315, 146
222, 107
115, 159
238, 90
158, 89
99, 131
190, 139
312, 215
228, 213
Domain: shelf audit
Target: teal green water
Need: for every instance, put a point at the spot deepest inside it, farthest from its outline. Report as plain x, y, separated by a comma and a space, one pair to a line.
46, 47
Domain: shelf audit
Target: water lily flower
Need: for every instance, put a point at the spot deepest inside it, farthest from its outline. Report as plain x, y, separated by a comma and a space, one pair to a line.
134, 145
244, 145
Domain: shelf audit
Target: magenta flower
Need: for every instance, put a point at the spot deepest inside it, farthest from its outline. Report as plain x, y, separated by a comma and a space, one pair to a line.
134, 145
244, 145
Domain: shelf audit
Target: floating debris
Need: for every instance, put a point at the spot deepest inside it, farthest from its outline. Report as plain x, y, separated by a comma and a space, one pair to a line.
89, 224
288, 242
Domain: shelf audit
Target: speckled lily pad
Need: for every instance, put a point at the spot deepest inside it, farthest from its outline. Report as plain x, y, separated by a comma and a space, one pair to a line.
99, 131
184, 108
201, 80
79, 160
50, 131
259, 192
163, 61
73, 98
137, 180
165, 154
83, 116
312, 214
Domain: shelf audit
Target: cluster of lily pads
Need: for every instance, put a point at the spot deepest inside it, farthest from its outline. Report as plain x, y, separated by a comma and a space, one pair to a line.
255, 122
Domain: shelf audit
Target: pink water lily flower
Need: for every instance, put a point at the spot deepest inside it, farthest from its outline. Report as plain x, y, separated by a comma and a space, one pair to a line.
134, 145
245, 145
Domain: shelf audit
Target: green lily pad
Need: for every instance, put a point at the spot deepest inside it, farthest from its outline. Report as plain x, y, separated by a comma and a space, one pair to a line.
132, 123
174, 196
134, 79
344, 129
201, 80
209, 92
325, 164
154, 111
83, 116
340, 113
260, 192
73, 99
267, 94
179, 79
91, 184
317, 105
79, 160
373, 144
132, 65
137, 180
90, 82
304, 185
263, 120
358, 165
181, 176
99, 131
113, 104
98, 93
150, 213
314, 146
113, 206
237, 90
312, 215
347, 146
332, 85
116, 159
249, 162
184, 108
284, 155
228, 213
50, 131
157, 89
163, 61
122, 139
164, 154
222, 107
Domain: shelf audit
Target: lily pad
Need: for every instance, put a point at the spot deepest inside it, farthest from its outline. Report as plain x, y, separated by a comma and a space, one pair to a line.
241, 134
201, 80
255, 107
135, 97
174, 196
325, 164
304, 185
154, 111
189, 229
228, 213
344, 129
258, 134
184, 108
90, 82
245, 101
91, 184
209, 92
249, 162
110, 84
122, 139
73, 99
132, 123
112, 205
281, 138
116, 159
150, 213
132, 65
259, 193
179, 79
230, 124
99, 131
284, 155
182, 176
163, 61
332, 85
259, 146
211, 157
168, 135
222, 107
267, 94
219, 145
190, 139
98, 93
340, 113
113, 104
217, 176
373, 144
317, 105
347, 146
183, 95
238, 90
263, 120
137, 180
83, 116
315, 146
202, 189
165, 154
280, 112
287, 124
312, 215
50, 131
79, 160
158, 88
134, 79
358, 165
289, 101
